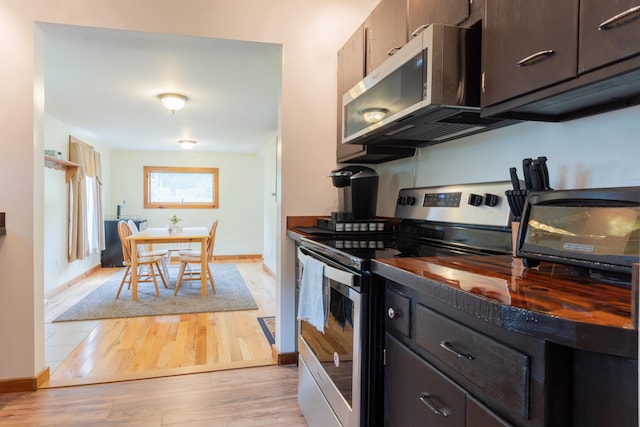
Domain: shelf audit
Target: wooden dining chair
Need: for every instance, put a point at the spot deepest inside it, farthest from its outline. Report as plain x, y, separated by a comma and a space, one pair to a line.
143, 250
186, 258
124, 231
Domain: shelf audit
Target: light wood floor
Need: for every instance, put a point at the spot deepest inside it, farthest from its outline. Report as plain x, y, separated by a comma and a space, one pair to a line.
149, 347
262, 396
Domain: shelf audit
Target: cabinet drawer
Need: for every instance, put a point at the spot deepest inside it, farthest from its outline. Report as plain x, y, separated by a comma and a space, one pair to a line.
398, 313
416, 394
500, 371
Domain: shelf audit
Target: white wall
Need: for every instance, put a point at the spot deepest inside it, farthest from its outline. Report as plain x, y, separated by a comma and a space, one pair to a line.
57, 270
597, 151
240, 187
310, 33
270, 194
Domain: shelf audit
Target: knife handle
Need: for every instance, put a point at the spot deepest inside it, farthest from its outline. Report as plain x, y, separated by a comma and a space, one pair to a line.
536, 177
546, 185
526, 170
515, 182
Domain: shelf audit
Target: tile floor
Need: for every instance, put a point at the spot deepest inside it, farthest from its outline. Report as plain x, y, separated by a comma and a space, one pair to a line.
61, 338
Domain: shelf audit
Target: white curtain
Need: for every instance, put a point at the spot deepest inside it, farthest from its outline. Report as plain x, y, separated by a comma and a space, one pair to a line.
86, 231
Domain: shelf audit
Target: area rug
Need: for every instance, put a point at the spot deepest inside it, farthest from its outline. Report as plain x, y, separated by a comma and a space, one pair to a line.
232, 294
268, 325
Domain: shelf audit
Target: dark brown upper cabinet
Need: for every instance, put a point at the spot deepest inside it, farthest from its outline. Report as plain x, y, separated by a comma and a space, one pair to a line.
421, 13
386, 32
554, 61
351, 69
350, 72
527, 45
606, 27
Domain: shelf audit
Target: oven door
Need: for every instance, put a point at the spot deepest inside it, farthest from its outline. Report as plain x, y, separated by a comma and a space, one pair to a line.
333, 357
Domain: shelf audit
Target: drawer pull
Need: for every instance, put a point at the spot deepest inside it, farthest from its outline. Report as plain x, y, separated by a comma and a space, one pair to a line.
447, 346
392, 314
536, 56
429, 401
393, 50
609, 23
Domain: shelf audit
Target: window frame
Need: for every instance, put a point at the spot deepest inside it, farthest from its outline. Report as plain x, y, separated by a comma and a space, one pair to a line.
149, 204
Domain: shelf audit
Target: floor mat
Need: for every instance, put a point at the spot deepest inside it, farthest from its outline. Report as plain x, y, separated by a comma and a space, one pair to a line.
268, 325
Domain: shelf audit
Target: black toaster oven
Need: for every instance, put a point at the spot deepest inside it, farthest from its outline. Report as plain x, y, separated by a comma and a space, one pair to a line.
595, 228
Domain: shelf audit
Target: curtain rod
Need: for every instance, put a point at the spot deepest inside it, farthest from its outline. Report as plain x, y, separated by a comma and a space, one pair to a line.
77, 141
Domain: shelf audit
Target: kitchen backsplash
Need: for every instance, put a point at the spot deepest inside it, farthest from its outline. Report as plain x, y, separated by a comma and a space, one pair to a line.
596, 151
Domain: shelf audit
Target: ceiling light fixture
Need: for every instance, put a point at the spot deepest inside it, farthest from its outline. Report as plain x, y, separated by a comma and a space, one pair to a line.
172, 101
374, 115
187, 144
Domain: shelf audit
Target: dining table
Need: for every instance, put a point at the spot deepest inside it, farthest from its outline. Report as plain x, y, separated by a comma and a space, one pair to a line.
158, 235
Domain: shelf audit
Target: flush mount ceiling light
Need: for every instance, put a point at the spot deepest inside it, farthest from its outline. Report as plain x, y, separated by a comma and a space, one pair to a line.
172, 101
187, 144
374, 115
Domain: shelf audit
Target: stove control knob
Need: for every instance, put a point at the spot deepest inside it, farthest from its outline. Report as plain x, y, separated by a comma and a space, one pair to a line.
411, 200
399, 201
491, 199
392, 313
475, 199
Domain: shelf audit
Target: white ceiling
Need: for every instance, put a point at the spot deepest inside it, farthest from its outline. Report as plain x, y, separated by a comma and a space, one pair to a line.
106, 83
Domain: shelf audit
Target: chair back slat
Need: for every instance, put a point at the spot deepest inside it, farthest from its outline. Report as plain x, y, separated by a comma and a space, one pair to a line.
212, 240
124, 231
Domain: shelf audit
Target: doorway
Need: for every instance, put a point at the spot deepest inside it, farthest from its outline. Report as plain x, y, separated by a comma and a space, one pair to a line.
65, 114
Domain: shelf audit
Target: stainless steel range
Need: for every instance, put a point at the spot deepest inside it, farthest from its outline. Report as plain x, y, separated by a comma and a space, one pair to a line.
340, 340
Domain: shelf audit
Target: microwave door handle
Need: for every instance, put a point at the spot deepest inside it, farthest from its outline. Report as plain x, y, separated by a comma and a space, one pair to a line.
418, 30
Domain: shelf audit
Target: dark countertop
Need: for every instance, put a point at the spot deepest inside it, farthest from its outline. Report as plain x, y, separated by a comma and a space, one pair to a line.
553, 302
299, 221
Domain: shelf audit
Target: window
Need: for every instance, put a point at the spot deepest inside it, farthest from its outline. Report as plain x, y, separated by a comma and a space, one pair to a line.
171, 187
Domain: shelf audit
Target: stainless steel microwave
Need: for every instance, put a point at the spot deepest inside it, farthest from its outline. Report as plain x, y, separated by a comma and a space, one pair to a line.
595, 228
426, 93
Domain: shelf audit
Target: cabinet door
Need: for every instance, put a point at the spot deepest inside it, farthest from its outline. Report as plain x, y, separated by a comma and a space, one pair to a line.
425, 12
416, 394
479, 415
386, 31
350, 72
609, 31
527, 45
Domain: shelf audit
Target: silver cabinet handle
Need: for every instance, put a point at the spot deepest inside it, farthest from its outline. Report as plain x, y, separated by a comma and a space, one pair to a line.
392, 313
531, 58
428, 400
447, 346
393, 50
609, 23
419, 30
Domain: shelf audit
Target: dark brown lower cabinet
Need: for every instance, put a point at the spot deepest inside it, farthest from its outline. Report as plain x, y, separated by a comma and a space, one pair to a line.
444, 367
417, 394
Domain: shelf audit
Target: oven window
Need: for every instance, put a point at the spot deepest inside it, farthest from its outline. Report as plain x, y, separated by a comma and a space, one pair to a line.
333, 348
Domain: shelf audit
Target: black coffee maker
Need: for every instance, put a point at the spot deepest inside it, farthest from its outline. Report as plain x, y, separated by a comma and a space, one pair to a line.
357, 193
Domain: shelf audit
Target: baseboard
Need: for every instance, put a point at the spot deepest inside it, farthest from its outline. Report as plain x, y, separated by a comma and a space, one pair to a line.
268, 270
16, 385
237, 257
54, 292
283, 358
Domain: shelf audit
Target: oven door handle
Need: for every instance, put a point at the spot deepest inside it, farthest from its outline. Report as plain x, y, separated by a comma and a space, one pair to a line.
338, 275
